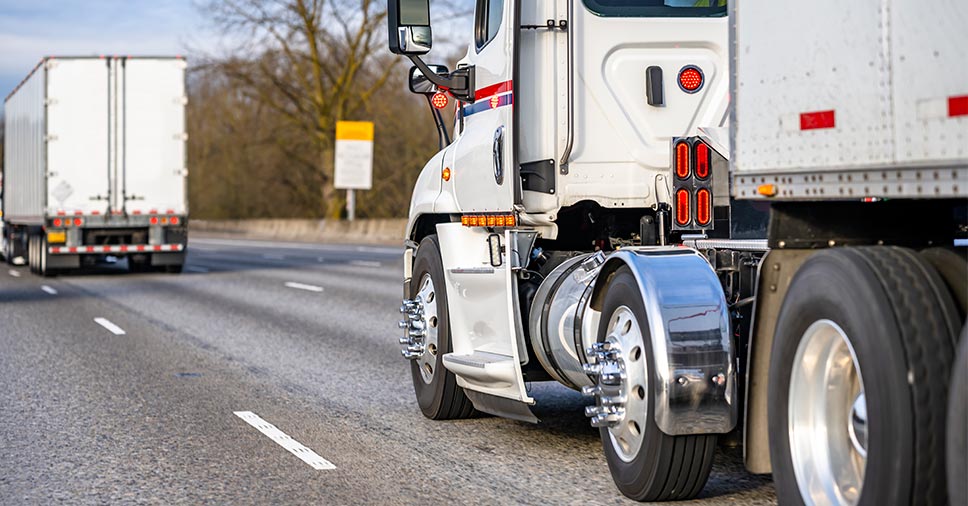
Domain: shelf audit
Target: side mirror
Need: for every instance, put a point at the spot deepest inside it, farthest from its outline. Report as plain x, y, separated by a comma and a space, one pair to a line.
408, 23
419, 83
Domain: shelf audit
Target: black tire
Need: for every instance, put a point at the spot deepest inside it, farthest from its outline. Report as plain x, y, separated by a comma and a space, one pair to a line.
900, 322
43, 256
32, 253
957, 435
666, 468
953, 268
442, 398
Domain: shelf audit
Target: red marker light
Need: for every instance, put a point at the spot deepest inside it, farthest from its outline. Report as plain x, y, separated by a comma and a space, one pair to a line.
682, 160
154, 220
702, 160
78, 222
703, 207
682, 207
57, 222
173, 220
690, 79
439, 100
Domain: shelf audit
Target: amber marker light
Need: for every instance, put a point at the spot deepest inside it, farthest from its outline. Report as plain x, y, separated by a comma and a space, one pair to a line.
445, 174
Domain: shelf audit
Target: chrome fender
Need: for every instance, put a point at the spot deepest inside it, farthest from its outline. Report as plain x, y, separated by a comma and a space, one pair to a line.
694, 376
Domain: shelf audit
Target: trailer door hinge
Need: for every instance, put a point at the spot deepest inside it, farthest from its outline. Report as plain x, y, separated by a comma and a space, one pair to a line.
50, 101
181, 172
50, 137
180, 137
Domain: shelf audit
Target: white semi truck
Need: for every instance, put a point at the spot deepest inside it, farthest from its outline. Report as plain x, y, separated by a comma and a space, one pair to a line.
94, 164
723, 223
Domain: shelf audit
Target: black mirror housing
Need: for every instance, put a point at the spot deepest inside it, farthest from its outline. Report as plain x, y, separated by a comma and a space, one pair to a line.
420, 84
408, 27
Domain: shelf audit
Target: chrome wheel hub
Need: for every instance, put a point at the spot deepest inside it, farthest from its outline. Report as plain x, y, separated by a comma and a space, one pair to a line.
619, 369
420, 321
827, 417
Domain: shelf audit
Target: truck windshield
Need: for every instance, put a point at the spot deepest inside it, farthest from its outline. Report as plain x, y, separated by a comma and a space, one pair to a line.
657, 8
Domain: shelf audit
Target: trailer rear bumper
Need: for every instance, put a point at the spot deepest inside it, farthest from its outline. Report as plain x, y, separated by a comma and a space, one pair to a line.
123, 248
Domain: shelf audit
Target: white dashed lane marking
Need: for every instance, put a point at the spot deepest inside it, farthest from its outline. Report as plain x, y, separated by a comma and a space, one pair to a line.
301, 286
282, 439
114, 329
366, 263
48, 289
14, 273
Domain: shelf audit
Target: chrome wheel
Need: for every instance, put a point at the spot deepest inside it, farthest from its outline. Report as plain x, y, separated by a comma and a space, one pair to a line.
622, 386
827, 417
427, 361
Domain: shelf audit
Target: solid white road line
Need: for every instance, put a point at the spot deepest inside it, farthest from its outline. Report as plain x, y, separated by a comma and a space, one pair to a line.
14, 273
301, 286
48, 289
366, 263
294, 447
114, 329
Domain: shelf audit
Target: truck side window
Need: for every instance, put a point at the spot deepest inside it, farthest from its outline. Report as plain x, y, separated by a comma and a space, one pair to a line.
487, 21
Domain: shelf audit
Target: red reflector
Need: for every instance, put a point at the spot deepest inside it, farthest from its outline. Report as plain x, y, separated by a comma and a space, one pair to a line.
136, 211
154, 220
157, 248
90, 249
57, 222
702, 160
682, 207
815, 120
60, 212
958, 106
682, 160
690, 79
141, 247
72, 249
78, 222
703, 207
173, 220
77, 213
439, 100
95, 213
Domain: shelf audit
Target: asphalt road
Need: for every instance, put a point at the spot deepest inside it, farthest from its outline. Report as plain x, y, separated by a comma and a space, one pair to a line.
304, 337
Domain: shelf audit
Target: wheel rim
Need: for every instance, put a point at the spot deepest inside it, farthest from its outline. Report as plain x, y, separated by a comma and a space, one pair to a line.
427, 362
625, 336
828, 423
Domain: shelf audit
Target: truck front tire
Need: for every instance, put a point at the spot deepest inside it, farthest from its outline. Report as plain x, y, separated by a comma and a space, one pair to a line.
649, 465
439, 396
858, 380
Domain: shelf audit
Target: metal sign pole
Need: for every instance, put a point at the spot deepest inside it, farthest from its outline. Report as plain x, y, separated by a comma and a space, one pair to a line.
350, 205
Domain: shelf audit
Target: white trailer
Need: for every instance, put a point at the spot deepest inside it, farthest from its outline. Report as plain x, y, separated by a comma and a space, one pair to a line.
588, 225
94, 163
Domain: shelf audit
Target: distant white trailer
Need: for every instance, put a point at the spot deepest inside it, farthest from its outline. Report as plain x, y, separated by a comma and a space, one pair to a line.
94, 163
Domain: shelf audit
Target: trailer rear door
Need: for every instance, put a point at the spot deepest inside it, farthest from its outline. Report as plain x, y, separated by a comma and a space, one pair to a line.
153, 115
77, 135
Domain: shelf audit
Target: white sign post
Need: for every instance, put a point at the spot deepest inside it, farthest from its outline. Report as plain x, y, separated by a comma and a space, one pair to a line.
354, 160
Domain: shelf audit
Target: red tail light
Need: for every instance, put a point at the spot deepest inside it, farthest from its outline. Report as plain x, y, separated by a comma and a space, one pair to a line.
703, 207
690, 79
153, 220
439, 100
682, 160
173, 220
702, 160
682, 207
57, 222
78, 222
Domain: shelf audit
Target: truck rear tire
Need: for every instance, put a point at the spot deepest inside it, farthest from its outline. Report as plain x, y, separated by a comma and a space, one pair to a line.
646, 464
858, 380
439, 396
957, 436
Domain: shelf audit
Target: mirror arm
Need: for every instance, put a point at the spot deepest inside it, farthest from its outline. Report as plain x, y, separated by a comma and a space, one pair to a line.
449, 83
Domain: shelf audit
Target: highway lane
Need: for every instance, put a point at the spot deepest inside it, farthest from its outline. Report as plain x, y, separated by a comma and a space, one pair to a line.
303, 336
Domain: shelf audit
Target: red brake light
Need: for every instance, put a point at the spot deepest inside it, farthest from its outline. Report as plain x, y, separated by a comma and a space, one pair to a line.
439, 100
682, 160
682, 207
703, 207
154, 220
77, 222
57, 222
173, 220
690, 79
702, 160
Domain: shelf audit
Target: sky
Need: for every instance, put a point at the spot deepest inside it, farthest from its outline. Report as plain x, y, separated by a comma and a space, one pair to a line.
32, 29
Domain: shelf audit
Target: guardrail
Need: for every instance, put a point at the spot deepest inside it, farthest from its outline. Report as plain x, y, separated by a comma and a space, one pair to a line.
372, 231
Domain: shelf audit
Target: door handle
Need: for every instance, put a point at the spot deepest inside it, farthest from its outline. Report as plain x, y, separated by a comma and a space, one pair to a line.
499, 155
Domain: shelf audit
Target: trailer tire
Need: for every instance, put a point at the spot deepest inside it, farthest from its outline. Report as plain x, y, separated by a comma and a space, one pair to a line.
886, 314
953, 268
32, 253
442, 398
664, 467
43, 270
957, 435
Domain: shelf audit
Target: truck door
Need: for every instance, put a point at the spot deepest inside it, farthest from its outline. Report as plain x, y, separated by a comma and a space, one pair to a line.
153, 158
485, 172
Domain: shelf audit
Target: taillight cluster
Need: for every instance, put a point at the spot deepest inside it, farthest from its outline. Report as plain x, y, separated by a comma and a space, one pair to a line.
66, 222
692, 196
488, 220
